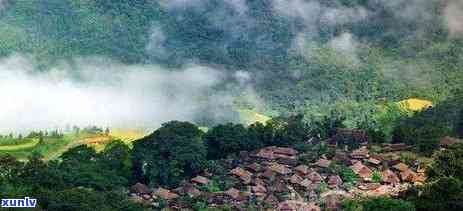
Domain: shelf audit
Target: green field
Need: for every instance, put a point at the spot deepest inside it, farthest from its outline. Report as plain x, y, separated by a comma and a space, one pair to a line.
28, 143
52, 147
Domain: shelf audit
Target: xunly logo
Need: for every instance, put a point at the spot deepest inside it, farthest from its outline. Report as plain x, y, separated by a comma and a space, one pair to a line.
26, 202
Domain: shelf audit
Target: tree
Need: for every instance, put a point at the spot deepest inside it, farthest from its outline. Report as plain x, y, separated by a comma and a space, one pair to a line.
447, 163
444, 194
81, 199
81, 153
259, 135
289, 130
172, 153
116, 156
82, 166
378, 204
10, 168
459, 127
223, 140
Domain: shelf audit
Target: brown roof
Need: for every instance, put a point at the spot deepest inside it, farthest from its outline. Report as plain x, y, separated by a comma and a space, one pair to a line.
361, 170
302, 169
447, 141
324, 163
332, 202
312, 207
395, 147
285, 151
374, 161
408, 176
258, 189
382, 190
140, 188
271, 153
362, 152
293, 205
305, 183
244, 175
268, 174
265, 154
389, 176
334, 181
420, 178
254, 167
295, 179
165, 194
401, 167
193, 192
233, 193
271, 199
315, 177
200, 180
369, 186
280, 169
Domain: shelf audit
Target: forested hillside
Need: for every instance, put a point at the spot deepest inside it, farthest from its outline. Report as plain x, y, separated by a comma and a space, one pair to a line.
350, 105
299, 55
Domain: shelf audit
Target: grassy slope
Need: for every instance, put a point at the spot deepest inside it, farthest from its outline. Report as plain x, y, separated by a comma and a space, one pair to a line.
15, 147
248, 117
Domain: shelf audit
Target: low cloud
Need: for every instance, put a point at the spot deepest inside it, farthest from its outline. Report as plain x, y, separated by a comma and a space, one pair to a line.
453, 14
99, 92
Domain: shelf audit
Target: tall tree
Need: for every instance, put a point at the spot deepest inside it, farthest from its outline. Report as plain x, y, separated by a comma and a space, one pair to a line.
172, 153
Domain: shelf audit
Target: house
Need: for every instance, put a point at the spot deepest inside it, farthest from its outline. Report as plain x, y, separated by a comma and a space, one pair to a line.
334, 182
352, 138
361, 153
361, 170
200, 180
323, 163
390, 177
244, 175
447, 141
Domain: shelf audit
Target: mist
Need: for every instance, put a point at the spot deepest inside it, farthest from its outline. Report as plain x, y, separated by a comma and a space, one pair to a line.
99, 92
139, 66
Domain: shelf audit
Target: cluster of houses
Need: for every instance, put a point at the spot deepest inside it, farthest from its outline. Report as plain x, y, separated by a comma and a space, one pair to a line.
279, 178
275, 179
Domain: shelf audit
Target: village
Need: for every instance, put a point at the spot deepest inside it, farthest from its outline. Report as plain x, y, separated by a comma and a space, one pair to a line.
275, 178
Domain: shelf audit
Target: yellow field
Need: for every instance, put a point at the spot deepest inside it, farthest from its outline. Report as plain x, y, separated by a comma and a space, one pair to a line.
127, 135
414, 104
248, 117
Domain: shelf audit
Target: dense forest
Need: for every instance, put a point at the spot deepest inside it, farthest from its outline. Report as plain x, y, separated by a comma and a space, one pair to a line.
301, 55
314, 67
